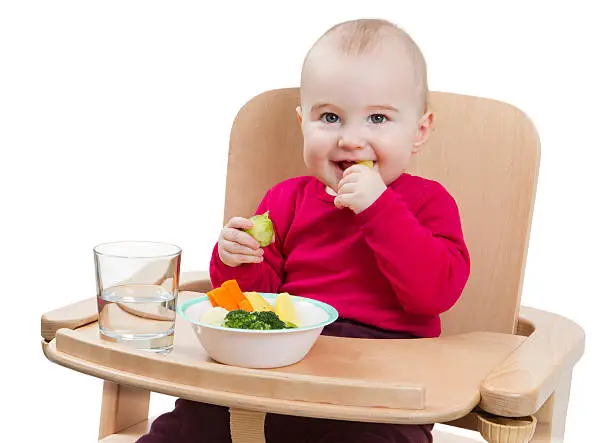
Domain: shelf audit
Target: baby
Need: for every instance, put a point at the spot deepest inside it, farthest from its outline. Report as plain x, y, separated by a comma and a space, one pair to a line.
384, 247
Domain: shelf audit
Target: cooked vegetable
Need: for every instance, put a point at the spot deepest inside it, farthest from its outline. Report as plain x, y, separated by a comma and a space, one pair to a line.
234, 291
258, 302
285, 309
229, 296
245, 305
212, 298
272, 319
238, 319
263, 320
221, 297
233, 308
262, 229
214, 316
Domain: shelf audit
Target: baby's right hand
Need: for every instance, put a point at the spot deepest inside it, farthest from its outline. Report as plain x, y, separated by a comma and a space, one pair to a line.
237, 247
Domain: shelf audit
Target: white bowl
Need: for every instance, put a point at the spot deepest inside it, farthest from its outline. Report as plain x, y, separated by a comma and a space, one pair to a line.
260, 349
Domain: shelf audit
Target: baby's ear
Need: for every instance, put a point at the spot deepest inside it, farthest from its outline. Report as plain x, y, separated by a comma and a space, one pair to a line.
298, 111
423, 130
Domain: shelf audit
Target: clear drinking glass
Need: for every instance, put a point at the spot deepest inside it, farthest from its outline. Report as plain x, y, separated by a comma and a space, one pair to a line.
137, 286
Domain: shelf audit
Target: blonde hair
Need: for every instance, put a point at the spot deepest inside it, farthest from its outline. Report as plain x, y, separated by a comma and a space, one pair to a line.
357, 37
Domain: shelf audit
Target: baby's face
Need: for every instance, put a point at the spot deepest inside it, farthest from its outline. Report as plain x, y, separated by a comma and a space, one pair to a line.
358, 107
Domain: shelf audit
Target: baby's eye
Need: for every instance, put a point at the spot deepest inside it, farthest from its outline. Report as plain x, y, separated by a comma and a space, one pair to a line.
330, 117
378, 118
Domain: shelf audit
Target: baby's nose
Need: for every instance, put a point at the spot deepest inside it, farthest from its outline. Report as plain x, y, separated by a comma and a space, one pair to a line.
351, 140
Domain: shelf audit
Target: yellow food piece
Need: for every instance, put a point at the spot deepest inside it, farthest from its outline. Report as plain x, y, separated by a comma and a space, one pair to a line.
368, 163
258, 302
285, 309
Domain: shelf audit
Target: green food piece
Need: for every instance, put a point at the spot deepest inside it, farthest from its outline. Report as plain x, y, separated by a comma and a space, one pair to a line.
270, 318
238, 319
263, 320
290, 325
262, 229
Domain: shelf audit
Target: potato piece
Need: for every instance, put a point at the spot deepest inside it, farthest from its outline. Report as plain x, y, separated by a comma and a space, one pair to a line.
285, 309
258, 302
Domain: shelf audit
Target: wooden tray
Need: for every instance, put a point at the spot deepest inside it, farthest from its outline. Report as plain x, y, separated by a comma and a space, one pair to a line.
386, 381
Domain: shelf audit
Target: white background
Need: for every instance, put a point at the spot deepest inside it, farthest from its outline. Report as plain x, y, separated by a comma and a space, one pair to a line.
114, 124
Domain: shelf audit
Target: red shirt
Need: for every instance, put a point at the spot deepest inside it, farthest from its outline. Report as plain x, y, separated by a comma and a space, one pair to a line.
397, 265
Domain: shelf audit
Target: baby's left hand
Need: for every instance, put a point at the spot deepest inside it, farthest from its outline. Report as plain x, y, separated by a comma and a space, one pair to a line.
359, 187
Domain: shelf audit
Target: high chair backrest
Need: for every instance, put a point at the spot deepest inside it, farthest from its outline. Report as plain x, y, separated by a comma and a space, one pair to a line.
485, 152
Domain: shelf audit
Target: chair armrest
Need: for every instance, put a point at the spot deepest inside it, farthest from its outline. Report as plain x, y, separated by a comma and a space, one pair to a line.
195, 281
524, 381
71, 317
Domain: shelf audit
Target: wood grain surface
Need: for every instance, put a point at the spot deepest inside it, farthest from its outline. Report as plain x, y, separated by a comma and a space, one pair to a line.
334, 380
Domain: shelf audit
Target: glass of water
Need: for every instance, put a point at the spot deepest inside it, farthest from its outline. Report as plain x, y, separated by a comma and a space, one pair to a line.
137, 288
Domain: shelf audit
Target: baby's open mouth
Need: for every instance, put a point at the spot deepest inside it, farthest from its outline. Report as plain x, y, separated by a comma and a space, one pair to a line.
345, 164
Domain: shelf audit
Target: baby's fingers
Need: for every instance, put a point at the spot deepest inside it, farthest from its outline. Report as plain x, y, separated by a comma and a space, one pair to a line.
239, 223
341, 202
242, 258
238, 236
237, 248
346, 188
353, 178
353, 170
234, 260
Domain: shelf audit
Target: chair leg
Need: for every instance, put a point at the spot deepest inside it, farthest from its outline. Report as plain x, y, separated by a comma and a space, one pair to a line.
551, 416
247, 426
122, 407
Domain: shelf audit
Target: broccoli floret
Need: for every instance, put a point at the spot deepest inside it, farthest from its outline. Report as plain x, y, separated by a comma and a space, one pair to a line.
238, 319
270, 318
264, 320
257, 324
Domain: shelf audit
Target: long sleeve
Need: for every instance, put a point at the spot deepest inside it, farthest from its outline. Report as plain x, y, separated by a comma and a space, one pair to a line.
262, 277
422, 254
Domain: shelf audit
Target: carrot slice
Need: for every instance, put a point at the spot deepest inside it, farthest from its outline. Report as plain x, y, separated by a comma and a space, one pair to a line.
224, 299
245, 305
234, 291
211, 297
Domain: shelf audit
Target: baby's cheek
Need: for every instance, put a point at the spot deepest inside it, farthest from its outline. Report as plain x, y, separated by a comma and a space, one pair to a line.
393, 164
317, 146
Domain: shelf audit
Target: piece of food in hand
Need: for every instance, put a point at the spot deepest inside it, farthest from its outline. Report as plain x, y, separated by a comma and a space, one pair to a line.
264, 320
262, 229
368, 163
258, 302
285, 309
214, 316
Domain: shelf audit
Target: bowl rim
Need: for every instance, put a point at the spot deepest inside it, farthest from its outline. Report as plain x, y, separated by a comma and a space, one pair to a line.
330, 310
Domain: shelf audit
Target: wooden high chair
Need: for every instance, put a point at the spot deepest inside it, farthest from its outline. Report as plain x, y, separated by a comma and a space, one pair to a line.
498, 367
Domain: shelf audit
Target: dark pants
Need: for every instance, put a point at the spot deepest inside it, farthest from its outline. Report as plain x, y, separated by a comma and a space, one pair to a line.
199, 422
